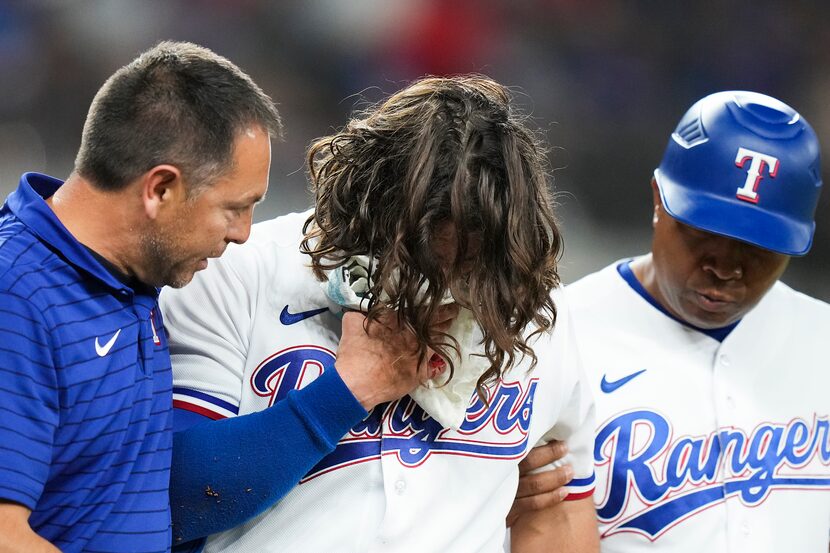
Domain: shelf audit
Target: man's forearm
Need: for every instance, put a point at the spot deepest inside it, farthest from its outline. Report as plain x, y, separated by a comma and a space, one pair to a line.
226, 472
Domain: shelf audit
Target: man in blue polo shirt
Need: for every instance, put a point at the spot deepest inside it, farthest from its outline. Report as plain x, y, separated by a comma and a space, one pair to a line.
174, 155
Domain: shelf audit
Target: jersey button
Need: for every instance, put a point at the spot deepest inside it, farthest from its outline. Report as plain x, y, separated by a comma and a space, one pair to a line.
730, 401
400, 487
745, 527
724, 360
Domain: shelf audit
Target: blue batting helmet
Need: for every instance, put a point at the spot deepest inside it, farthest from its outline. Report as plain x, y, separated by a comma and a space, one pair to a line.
746, 166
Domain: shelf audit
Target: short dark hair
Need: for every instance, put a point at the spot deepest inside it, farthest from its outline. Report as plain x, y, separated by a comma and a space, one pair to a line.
442, 150
177, 103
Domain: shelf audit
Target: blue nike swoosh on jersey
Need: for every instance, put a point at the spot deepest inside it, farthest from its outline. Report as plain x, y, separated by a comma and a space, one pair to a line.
287, 318
609, 386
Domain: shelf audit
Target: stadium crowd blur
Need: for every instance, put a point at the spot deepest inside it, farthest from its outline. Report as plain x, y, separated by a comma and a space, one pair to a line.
605, 79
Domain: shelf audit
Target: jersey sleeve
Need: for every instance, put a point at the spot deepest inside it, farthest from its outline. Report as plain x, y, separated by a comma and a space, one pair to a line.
575, 424
208, 323
29, 405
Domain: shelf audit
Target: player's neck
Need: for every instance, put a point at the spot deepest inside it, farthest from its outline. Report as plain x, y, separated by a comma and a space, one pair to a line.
100, 220
646, 274
643, 269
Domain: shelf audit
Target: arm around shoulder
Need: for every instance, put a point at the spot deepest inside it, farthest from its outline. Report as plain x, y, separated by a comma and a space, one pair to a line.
570, 526
293, 435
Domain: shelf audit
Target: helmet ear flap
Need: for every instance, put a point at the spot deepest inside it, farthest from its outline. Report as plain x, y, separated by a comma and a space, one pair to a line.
746, 166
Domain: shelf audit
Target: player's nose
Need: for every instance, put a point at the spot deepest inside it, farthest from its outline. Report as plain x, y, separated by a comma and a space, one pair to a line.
724, 258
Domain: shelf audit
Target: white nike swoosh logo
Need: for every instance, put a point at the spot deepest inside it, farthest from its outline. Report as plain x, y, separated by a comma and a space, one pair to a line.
105, 349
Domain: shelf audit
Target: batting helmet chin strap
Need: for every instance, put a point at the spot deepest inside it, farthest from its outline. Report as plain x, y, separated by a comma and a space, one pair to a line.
746, 166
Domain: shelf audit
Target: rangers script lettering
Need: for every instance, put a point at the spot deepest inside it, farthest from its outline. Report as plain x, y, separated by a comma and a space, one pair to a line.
289, 369
497, 430
679, 476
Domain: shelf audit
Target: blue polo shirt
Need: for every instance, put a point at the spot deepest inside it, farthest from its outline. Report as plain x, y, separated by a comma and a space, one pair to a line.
85, 388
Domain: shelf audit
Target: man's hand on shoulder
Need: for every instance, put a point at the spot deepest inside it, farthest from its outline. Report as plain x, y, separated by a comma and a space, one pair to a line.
378, 360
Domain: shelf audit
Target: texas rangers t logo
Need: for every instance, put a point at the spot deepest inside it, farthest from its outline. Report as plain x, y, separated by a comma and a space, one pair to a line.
758, 163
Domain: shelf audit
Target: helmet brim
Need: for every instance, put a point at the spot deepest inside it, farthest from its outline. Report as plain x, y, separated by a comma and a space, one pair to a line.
734, 218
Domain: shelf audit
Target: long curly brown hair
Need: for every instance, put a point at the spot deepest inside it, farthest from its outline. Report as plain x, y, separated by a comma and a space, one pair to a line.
443, 150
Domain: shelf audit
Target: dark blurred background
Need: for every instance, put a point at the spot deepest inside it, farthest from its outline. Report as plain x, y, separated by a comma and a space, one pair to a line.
605, 80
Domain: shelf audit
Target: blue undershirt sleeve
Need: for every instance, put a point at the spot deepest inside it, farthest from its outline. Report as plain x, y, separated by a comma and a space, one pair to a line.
226, 472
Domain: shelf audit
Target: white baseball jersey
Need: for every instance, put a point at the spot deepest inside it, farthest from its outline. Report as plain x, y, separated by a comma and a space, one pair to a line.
704, 445
256, 324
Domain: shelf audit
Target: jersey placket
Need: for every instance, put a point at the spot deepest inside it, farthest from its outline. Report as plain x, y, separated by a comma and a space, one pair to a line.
397, 487
393, 486
739, 530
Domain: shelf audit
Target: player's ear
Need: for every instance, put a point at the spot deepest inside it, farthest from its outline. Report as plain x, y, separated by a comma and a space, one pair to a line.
161, 187
657, 201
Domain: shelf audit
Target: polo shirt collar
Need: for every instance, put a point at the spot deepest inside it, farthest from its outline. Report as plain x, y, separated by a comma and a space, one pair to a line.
28, 204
